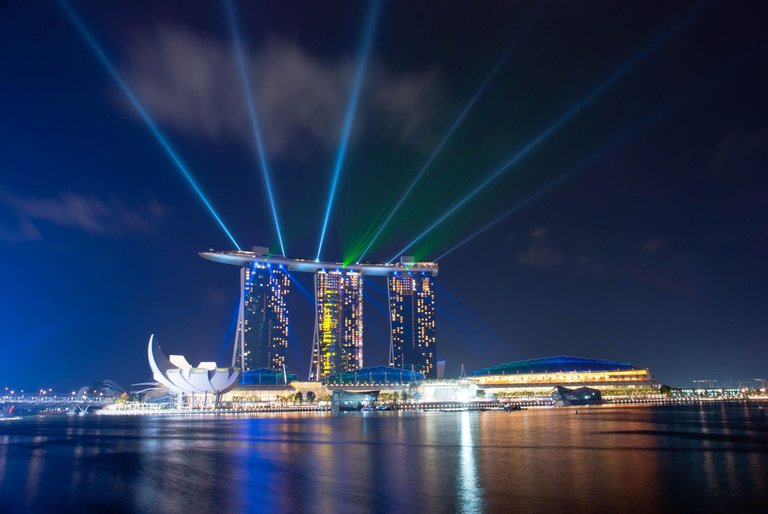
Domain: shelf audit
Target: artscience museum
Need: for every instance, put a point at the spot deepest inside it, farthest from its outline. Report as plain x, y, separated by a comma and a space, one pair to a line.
180, 377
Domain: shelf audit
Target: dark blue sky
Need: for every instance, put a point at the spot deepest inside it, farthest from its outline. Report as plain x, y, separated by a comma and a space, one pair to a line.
654, 252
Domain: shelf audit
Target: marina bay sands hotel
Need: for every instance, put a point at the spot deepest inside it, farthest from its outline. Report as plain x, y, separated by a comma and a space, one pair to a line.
262, 334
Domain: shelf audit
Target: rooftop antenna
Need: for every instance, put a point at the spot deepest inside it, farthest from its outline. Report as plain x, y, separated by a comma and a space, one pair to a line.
462, 374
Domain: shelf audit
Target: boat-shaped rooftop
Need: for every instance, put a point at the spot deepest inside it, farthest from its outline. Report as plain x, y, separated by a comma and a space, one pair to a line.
259, 256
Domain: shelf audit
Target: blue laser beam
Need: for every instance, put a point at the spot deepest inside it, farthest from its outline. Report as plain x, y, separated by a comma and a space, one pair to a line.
301, 288
362, 62
372, 300
134, 101
375, 286
580, 166
455, 125
462, 317
247, 91
520, 154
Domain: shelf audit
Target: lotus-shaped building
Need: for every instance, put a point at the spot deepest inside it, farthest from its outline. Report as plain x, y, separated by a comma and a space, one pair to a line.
179, 376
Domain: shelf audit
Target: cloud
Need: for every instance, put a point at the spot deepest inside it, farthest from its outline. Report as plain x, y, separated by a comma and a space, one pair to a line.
71, 210
21, 231
542, 255
539, 255
190, 81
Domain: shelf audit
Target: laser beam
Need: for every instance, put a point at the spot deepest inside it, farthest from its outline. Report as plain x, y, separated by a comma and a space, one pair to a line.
362, 62
372, 300
303, 290
520, 154
580, 166
468, 107
136, 104
461, 316
247, 91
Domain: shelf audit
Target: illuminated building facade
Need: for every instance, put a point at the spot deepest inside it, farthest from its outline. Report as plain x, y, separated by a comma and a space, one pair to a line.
338, 336
540, 375
263, 321
338, 344
412, 321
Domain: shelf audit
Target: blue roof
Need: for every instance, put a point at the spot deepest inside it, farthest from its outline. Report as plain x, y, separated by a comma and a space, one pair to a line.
553, 365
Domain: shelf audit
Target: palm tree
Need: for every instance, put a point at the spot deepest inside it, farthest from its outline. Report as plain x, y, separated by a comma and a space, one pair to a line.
310, 396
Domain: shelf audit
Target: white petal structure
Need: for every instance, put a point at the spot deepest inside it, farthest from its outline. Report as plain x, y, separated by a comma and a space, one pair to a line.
178, 361
178, 375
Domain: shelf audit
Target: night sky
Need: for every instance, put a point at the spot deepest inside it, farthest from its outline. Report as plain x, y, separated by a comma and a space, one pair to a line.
637, 226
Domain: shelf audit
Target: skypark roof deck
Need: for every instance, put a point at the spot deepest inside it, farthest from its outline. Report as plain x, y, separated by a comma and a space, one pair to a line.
245, 258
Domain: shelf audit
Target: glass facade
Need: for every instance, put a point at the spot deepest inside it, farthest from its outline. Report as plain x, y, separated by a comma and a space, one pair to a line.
412, 321
376, 375
339, 323
264, 326
265, 376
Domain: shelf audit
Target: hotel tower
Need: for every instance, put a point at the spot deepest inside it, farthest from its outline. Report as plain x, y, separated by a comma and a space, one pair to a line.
338, 345
262, 338
412, 321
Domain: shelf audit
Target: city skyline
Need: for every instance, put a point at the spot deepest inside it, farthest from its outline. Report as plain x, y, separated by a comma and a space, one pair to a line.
590, 181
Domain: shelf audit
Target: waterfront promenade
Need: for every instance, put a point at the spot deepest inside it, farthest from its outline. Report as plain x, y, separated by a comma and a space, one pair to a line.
543, 403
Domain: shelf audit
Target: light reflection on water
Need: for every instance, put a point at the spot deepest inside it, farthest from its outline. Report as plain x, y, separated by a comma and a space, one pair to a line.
708, 459
470, 491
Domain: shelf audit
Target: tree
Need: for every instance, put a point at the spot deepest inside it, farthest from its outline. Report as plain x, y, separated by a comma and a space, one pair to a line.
388, 397
404, 396
480, 393
298, 397
311, 396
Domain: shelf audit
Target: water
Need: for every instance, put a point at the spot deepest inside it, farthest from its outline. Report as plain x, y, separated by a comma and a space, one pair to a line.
698, 459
